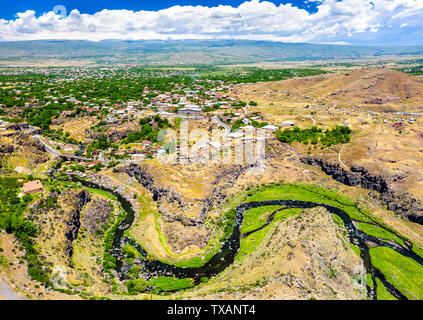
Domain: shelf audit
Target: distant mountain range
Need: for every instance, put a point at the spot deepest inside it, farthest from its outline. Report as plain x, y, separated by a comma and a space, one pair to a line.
193, 51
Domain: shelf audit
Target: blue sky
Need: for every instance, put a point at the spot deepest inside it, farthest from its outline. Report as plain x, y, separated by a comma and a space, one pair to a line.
8, 9
392, 22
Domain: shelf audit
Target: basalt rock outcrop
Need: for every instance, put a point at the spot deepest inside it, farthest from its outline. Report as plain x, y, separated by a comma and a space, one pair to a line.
358, 176
160, 194
25, 143
165, 196
96, 214
17, 126
72, 219
146, 179
400, 203
7, 148
21, 140
58, 215
38, 210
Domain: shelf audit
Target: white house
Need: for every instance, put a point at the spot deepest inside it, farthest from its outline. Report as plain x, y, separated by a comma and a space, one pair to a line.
270, 127
288, 123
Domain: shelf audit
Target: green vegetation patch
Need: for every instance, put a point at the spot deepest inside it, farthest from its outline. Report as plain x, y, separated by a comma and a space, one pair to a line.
136, 285
171, 284
376, 231
147, 132
382, 292
418, 251
369, 280
402, 272
315, 135
130, 251
309, 193
256, 217
250, 244
12, 220
158, 284
3, 261
355, 249
416, 70
254, 75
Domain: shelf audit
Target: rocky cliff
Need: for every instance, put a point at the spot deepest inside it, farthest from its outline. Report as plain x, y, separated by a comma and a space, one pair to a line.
72, 219
400, 203
225, 177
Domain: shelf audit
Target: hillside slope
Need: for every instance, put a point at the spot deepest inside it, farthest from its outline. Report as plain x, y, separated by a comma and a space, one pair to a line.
366, 87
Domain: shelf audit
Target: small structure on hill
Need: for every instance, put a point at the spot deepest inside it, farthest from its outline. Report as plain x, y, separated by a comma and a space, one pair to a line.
270, 128
91, 164
288, 123
32, 187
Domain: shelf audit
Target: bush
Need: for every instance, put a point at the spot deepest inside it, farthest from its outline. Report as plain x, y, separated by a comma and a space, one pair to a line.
136, 285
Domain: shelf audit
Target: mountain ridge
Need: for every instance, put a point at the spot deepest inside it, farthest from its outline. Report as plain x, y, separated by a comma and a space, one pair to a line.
193, 51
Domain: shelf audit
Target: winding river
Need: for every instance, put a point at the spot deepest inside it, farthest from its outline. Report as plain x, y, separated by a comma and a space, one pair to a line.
231, 245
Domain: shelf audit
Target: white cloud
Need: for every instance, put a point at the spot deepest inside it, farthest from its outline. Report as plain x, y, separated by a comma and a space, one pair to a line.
335, 21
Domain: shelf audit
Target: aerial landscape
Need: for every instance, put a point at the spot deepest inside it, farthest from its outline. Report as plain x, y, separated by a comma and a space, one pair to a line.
211, 151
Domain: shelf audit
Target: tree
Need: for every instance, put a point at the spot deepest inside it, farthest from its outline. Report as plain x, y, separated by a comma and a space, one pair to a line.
103, 142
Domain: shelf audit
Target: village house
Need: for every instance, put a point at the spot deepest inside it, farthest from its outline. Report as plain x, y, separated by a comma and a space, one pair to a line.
146, 142
270, 128
190, 111
248, 129
161, 151
235, 135
138, 156
32, 187
92, 164
288, 123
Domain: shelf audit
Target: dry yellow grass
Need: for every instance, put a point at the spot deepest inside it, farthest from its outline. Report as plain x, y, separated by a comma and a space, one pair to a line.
16, 274
350, 88
375, 144
76, 127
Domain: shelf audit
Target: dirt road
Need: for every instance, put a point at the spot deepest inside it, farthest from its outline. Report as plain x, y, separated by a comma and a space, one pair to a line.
6, 293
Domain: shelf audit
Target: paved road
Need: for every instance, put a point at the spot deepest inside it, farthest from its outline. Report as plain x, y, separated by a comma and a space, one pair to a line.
58, 154
49, 149
31, 128
227, 128
7, 293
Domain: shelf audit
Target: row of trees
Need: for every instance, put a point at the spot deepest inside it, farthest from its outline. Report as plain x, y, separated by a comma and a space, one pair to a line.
253, 75
314, 135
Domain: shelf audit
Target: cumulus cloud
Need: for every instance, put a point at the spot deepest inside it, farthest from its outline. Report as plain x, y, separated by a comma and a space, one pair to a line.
346, 21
